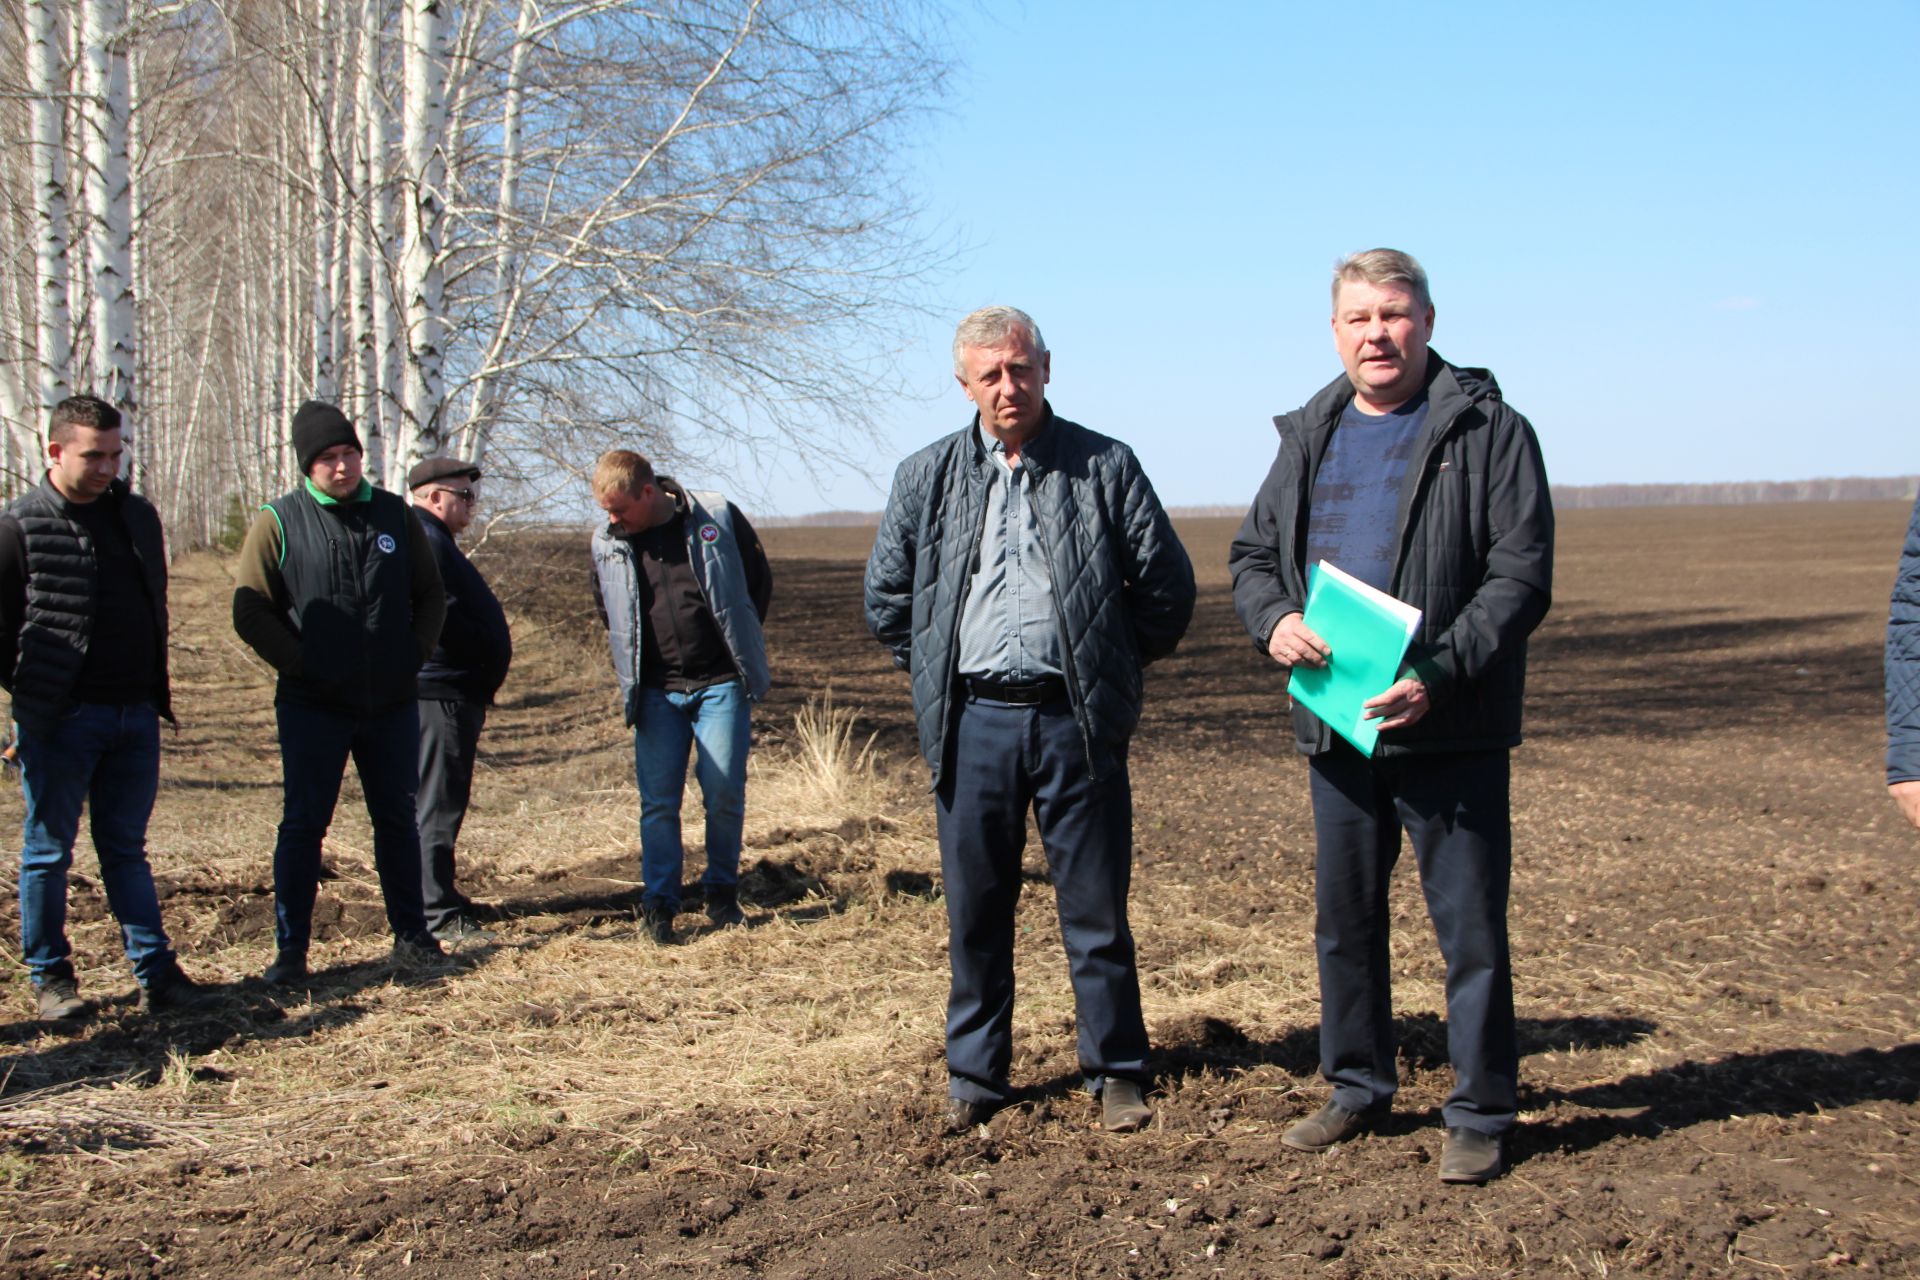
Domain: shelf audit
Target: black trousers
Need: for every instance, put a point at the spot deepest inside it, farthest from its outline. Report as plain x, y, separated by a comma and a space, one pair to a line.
1005, 760
1454, 810
449, 735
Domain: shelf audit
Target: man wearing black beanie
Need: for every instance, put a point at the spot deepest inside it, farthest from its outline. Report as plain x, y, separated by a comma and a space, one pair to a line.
339, 593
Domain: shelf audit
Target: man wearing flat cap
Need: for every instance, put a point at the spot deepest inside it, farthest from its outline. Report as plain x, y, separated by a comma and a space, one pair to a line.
339, 593
456, 686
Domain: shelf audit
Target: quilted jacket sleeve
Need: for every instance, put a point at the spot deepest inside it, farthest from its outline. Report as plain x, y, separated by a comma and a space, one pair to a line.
1903, 663
1159, 576
889, 586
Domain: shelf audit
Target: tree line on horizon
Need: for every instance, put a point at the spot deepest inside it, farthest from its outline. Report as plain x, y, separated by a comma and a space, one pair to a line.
1566, 497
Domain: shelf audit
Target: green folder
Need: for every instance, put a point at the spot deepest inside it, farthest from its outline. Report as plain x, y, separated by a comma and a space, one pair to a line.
1368, 632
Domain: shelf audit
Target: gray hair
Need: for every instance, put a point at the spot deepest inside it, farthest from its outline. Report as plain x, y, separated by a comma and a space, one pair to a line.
1381, 267
991, 326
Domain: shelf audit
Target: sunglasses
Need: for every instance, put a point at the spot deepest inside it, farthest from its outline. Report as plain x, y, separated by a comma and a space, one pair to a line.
465, 495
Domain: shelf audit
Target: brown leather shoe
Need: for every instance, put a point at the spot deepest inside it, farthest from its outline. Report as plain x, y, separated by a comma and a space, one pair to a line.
1123, 1108
1472, 1157
1330, 1126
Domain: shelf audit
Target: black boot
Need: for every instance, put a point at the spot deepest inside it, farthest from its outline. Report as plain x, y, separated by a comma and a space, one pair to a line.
723, 907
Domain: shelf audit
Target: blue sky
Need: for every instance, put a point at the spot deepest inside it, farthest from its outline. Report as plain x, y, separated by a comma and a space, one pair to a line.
1682, 235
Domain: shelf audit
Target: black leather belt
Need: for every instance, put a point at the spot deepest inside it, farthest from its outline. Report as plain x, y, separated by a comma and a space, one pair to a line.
1025, 693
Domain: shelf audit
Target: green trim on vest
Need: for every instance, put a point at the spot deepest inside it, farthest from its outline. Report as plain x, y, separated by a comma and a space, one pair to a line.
363, 494
268, 508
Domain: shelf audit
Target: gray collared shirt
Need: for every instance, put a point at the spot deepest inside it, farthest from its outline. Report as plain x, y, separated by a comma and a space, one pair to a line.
1009, 628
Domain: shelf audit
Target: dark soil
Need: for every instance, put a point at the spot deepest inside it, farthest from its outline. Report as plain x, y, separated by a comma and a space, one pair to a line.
1715, 950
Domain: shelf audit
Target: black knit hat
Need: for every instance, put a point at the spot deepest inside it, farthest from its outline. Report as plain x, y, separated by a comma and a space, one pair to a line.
317, 427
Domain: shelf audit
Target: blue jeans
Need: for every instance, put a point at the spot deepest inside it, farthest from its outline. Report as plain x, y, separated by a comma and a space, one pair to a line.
1453, 808
107, 757
1006, 760
717, 723
314, 746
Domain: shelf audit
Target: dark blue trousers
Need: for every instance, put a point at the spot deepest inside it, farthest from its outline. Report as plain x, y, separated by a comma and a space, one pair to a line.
1004, 761
1453, 808
314, 747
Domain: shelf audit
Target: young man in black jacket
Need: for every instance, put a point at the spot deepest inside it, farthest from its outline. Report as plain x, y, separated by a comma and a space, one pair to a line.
1412, 475
83, 651
456, 687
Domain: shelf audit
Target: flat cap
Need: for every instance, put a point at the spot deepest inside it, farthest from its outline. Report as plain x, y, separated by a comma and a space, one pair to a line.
427, 470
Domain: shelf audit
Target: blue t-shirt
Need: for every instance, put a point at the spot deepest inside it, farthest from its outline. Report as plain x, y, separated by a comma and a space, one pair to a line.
1356, 494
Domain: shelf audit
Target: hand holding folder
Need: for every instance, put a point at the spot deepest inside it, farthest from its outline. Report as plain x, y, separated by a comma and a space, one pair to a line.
1367, 633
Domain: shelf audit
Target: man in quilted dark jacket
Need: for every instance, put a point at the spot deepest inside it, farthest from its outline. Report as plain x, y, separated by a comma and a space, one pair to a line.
1023, 575
1413, 475
1903, 679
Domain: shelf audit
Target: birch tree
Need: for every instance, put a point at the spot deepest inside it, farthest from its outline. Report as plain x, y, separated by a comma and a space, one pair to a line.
425, 206
45, 81
109, 199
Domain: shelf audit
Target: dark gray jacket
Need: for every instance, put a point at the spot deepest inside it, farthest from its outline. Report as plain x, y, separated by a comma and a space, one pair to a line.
1903, 663
1121, 580
1474, 553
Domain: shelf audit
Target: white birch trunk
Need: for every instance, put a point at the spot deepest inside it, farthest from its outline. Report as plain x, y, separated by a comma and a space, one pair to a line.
109, 215
54, 327
484, 402
19, 383
138, 460
385, 367
358, 383
325, 382
340, 147
79, 243
425, 122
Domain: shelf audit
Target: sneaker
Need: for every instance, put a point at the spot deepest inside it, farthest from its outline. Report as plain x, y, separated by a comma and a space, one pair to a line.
657, 924
1472, 1157
463, 931
59, 1000
723, 908
1123, 1108
1330, 1126
289, 968
174, 992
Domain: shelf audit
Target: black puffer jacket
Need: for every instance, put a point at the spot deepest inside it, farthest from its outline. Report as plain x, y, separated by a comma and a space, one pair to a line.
1121, 579
46, 643
1474, 539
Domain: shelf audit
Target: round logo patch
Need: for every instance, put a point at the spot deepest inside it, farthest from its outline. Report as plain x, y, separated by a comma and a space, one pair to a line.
386, 543
709, 533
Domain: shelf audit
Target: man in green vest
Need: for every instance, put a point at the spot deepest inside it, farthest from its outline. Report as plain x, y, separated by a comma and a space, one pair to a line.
339, 593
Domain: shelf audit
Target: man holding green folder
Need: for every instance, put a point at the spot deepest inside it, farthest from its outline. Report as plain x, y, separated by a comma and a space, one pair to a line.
1414, 477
